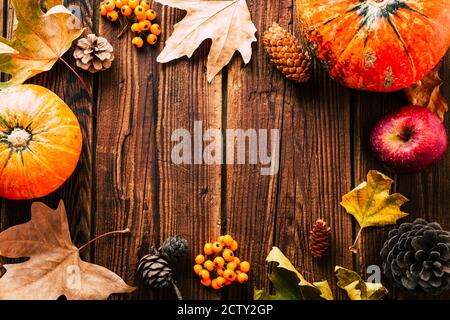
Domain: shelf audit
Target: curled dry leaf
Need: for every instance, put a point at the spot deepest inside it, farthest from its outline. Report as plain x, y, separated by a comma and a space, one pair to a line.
426, 93
40, 39
54, 267
355, 286
372, 205
227, 23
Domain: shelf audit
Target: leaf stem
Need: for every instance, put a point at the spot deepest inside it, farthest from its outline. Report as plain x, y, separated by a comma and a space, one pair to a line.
127, 230
353, 248
75, 73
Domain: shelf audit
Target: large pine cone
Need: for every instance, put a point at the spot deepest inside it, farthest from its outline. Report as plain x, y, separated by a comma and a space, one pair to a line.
173, 248
155, 271
288, 54
416, 257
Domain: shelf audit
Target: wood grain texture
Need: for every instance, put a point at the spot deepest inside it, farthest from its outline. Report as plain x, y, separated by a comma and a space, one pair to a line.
76, 191
153, 197
315, 172
189, 196
125, 155
255, 100
126, 177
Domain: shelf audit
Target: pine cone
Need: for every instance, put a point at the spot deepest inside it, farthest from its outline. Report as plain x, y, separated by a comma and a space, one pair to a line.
416, 257
93, 53
155, 270
173, 248
287, 54
319, 238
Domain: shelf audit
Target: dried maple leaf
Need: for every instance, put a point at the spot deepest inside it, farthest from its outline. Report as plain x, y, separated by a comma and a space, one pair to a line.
227, 23
54, 267
40, 39
426, 93
372, 205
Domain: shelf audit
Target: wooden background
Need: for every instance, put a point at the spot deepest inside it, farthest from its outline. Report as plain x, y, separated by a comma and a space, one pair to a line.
125, 177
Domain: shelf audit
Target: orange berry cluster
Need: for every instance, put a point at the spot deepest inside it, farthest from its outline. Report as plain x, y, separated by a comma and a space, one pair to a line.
218, 266
139, 14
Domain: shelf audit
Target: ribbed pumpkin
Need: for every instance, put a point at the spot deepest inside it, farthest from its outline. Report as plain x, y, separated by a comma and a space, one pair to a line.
376, 45
40, 142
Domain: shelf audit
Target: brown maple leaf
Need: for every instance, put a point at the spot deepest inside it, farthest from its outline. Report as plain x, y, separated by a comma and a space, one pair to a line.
54, 267
426, 93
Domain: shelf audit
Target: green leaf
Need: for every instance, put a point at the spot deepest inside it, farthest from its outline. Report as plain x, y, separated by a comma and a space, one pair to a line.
356, 288
289, 284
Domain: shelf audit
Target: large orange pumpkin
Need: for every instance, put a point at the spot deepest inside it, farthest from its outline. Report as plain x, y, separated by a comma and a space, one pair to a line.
40, 142
376, 45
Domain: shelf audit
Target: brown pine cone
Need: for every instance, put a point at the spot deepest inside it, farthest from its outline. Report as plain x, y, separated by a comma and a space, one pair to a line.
93, 53
319, 238
288, 54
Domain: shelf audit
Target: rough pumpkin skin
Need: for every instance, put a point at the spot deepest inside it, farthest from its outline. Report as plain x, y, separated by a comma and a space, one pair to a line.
40, 142
376, 45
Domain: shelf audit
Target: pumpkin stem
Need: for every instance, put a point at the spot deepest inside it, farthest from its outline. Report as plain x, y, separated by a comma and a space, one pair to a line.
19, 138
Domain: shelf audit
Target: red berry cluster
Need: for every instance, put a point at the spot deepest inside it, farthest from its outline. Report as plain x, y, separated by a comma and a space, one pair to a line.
218, 266
139, 14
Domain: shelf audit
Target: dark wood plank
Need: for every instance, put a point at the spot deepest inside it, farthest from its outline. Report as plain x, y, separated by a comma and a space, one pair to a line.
378, 104
255, 100
76, 192
427, 191
137, 185
315, 172
189, 197
124, 153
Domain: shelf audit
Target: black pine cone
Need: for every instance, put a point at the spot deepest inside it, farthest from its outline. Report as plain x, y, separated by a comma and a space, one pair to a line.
173, 248
416, 257
155, 270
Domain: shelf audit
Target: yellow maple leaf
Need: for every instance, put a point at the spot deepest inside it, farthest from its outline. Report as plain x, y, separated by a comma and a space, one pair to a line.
372, 205
227, 23
40, 39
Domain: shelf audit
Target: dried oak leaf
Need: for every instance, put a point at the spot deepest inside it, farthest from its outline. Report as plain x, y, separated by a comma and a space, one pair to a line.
227, 23
355, 286
372, 205
426, 93
289, 284
40, 39
54, 267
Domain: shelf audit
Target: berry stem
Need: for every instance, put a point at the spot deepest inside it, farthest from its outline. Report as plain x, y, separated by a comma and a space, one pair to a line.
127, 230
177, 291
75, 73
124, 28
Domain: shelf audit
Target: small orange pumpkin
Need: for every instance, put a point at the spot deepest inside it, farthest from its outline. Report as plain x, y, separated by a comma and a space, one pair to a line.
376, 45
40, 142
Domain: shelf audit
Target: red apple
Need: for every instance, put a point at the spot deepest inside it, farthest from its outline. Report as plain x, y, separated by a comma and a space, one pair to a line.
409, 140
